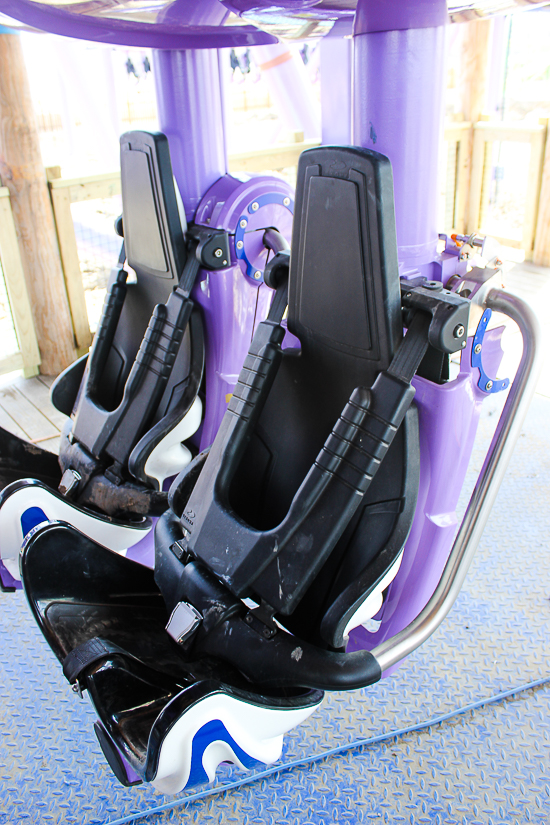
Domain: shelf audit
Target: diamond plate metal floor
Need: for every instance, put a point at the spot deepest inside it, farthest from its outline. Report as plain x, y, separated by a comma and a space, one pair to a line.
487, 766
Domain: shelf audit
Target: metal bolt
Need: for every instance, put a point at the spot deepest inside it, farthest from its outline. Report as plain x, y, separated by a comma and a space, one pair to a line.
477, 349
240, 244
257, 275
243, 223
255, 206
218, 253
489, 386
286, 201
463, 344
459, 331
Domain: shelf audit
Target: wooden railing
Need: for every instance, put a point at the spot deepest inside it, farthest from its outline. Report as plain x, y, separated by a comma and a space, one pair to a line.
485, 133
472, 182
27, 358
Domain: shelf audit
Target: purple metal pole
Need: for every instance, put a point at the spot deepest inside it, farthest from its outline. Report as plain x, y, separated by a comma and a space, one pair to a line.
191, 114
336, 85
397, 110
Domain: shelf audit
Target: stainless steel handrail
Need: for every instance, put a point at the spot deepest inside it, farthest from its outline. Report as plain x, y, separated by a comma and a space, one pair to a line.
508, 429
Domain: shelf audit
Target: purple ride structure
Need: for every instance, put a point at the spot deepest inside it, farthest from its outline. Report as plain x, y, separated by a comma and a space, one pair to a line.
309, 539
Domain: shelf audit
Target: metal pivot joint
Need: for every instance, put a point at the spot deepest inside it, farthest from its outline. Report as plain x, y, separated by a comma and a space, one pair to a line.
449, 312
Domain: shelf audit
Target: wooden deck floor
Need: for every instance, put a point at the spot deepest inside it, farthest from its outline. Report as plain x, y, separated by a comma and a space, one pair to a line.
26, 409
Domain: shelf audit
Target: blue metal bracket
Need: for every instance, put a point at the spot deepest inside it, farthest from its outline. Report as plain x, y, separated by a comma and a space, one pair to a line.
253, 273
488, 385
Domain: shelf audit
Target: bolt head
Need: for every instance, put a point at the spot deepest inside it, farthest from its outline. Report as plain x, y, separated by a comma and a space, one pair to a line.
255, 206
459, 331
243, 223
257, 275
240, 244
286, 201
489, 385
477, 349
218, 253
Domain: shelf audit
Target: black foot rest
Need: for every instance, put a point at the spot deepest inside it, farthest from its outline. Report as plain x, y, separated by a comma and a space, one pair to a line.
163, 717
308, 493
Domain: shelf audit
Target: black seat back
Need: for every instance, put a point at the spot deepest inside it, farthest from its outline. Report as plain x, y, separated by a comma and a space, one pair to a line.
344, 306
155, 250
108, 421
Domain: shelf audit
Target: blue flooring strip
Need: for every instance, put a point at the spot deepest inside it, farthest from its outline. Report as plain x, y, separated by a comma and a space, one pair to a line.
317, 757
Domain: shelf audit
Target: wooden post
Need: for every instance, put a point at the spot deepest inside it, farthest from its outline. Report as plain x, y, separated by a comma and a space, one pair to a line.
68, 248
16, 288
22, 172
541, 253
473, 75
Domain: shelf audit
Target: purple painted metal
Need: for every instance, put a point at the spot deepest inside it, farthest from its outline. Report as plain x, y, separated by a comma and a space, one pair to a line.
448, 419
336, 85
144, 550
394, 15
7, 580
397, 110
191, 114
173, 32
232, 303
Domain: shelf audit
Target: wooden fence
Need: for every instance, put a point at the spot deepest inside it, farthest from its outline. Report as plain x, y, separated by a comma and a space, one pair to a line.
466, 199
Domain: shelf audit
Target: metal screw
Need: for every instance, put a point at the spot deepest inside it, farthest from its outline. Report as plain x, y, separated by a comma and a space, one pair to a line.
218, 253
286, 201
489, 386
255, 206
257, 275
463, 344
477, 349
243, 223
459, 331
240, 244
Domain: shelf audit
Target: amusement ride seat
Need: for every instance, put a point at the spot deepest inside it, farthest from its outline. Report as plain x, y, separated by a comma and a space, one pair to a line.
135, 398
285, 534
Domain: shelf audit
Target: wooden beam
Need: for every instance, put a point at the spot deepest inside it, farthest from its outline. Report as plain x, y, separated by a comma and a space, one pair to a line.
22, 172
541, 252
473, 74
274, 157
16, 288
532, 197
66, 237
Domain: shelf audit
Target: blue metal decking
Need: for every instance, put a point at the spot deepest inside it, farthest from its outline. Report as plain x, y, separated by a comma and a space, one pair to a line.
486, 766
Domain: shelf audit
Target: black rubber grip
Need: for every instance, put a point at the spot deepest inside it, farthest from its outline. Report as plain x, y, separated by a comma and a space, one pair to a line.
106, 329
257, 370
